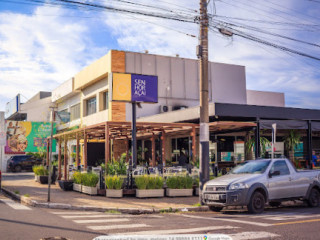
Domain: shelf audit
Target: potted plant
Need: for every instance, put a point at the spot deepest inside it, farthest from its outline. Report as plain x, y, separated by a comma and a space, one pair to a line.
35, 169
178, 186
149, 186
66, 185
41, 173
89, 183
291, 141
77, 181
114, 186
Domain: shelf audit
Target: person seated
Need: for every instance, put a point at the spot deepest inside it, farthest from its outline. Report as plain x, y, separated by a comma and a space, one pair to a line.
182, 159
315, 159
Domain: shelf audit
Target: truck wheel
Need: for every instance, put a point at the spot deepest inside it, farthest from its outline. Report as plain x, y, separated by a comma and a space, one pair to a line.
274, 204
314, 198
17, 168
215, 209
256, 204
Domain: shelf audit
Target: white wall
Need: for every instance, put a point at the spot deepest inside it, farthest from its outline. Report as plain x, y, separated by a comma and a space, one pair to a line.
94, 91
37, 110
62, 90
260, 98
228, 83
66, 104
178, 81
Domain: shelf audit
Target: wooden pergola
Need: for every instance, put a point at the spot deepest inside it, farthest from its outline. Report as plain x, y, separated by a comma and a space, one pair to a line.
108, 131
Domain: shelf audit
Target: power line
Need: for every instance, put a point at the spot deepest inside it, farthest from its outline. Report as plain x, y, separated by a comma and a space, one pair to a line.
269, 33
187, 18
264, 42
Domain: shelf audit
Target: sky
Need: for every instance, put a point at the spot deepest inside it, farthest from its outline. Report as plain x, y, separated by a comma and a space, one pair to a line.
43, 45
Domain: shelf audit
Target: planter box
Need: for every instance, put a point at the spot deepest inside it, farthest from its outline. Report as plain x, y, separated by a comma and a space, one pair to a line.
179, 192
196, 191
76, 187
90, 190
66, 185
146, 193
43, 179
37, 178
114, 193
102, 192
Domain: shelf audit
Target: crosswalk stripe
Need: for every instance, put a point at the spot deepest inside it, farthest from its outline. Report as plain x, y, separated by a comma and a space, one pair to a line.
117, 226
102, 220
106, 216
15, 205
177, 231
229, 220
252, 235
75, 213
91, 216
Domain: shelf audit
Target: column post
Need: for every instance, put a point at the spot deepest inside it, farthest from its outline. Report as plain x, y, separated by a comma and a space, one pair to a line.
59, 159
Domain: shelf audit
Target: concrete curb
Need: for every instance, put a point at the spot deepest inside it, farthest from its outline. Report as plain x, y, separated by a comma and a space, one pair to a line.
135, 211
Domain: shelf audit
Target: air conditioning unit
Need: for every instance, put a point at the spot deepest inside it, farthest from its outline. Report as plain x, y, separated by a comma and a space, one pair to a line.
165, 108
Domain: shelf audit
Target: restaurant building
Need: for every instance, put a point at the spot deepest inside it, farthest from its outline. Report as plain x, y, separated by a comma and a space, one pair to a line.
234, 111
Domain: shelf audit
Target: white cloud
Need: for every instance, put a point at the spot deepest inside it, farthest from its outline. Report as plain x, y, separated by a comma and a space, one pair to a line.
267, 68
39, 51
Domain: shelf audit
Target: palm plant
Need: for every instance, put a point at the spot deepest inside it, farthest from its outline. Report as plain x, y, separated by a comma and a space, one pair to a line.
264, 142
291, 141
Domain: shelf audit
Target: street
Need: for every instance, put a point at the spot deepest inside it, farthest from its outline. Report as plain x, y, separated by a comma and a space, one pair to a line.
24, 222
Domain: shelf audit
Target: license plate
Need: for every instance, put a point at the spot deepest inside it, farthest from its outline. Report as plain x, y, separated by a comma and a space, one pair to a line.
212, 196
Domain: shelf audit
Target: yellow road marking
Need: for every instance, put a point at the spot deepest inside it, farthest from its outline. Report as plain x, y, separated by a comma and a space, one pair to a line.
305, 221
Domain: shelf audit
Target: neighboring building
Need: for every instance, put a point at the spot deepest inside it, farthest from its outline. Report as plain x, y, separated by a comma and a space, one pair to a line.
36, 109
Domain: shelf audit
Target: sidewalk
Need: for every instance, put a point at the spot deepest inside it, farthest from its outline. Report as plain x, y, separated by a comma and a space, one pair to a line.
37, 195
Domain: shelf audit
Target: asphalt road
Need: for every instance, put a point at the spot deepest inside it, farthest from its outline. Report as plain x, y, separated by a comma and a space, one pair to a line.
22, 222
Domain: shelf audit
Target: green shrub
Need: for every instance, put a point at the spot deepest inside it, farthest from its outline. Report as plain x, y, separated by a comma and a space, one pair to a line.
90, 179
78, 177
179, 182
149, 182
195, 181
40, 170
141, 182
116, 167
158, 182
113, 182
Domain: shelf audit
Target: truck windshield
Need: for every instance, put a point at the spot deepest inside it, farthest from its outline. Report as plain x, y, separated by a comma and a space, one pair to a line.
254, 166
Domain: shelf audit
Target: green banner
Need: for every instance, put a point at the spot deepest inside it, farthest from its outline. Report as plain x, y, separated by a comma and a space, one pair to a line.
28, 137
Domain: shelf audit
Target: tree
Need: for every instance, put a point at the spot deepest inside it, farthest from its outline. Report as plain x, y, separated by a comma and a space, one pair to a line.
291, 141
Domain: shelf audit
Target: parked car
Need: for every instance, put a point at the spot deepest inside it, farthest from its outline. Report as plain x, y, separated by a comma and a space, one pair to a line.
22, 162
257, 182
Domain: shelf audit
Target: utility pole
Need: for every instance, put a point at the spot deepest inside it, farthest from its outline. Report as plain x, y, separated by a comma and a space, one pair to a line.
50, 156
202, 52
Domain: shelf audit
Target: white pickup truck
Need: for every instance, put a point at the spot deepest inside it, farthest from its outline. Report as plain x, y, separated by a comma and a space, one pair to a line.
257, 182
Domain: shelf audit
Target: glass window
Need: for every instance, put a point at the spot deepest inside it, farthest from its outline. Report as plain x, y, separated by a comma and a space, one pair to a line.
75, 112
105, 100
253, 166
62, 118
280, 166
91, 105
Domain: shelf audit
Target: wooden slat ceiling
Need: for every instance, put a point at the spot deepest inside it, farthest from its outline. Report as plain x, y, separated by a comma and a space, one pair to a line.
122, 130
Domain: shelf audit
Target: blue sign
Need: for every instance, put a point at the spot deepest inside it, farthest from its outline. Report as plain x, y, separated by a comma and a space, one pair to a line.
144, 88
134, 88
